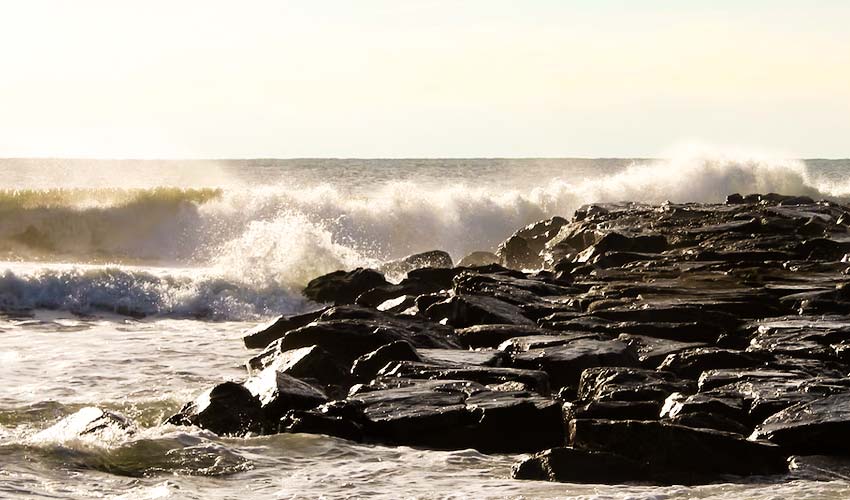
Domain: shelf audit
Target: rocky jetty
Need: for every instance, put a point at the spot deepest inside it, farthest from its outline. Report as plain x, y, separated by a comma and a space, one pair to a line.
677, 343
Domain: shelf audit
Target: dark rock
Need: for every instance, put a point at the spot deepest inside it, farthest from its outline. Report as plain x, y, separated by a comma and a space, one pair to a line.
692, 362
572, 465
734, 199
533, 380
516, 253
463, 358
263, 335
493, 335
816, 427
380, 294
613, 410
343, 287
311, 362
468, 310
475, 259
89, 423
564, 363
652, 351
315, 422
278, 393
228, 409
367, 366
433, 258
400, 305
819, 467
676, 453
629, 384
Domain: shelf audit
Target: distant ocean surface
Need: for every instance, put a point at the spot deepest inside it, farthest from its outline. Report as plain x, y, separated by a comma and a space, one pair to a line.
126, 284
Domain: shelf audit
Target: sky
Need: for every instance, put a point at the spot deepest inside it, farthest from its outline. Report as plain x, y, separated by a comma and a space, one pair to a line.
427, 78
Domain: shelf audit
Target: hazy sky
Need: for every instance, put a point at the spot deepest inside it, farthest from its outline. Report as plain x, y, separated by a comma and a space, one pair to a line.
429, 78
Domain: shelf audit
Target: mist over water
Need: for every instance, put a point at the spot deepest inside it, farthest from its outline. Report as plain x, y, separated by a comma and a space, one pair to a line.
237, 239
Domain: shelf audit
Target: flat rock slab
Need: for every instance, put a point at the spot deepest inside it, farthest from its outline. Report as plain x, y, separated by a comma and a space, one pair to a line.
565, 363
629, 384
817, 427
533, 380
677, 453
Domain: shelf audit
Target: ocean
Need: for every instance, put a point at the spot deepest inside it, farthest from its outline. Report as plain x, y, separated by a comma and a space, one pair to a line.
126, 284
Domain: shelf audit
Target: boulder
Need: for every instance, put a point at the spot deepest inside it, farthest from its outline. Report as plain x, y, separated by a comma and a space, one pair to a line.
533, 380
228, 409
279, 393
816, 427
476, 259
629, 384
572, 465
691, 363
565, 363
263, 335
316, 422
367, 366
433, 258
674, 453
343, 287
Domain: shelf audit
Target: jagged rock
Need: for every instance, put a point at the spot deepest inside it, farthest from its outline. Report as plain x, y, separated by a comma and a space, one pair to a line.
816, 427
476, 259
263, 335
433, 258
468, 310
278, 393
228, 409
400, 305
418, 331
674, 453
572, 465
343, 287
522, 249
367, 366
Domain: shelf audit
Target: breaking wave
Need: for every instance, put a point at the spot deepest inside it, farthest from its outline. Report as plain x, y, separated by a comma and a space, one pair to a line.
246, 251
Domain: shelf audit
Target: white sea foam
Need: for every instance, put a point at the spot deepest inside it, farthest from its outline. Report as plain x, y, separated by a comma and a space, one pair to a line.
256, 245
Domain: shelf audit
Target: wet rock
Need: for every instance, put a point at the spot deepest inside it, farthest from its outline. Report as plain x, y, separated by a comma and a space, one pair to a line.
343, 287
522, 249
310, 363
468, 310
228, 409
433, 258
263, 335
572, 465
629, 384
380, 294
816, 427
476, 259
533, 380
565, 363
820, 467
315, 422
406, 304
613, 410
493, 335
720, 411
692, 362
278, 393
674, 453
652, 351
462, 357
367, 366
90, 423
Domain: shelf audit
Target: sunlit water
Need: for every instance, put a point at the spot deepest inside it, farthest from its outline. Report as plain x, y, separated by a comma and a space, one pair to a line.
136, 303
